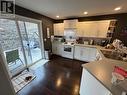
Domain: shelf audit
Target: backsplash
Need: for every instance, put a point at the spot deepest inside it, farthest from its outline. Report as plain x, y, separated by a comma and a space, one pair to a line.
97, 41
80, 40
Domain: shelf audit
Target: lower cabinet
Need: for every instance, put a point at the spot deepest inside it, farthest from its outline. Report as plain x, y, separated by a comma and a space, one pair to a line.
77, 52
91, 86
57, 48
92, 54
82, 53
54, 48
85, 53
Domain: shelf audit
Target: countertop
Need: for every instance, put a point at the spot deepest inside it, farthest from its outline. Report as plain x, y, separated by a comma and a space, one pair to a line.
102, 70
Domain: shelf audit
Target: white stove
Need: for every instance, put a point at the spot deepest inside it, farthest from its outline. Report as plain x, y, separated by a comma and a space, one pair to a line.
68, 51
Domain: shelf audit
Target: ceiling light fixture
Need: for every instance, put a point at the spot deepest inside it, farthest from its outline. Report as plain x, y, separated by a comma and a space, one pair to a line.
57, 16
117, 9
85, 13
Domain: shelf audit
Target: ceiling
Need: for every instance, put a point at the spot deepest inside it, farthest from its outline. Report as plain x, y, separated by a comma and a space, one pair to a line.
73, 8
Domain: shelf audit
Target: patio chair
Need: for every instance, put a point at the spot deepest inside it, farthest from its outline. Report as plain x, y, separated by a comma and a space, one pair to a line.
12, 57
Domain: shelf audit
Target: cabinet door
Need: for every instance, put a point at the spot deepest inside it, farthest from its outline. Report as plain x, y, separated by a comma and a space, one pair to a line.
84, 54
103, 28
93, 29
59, 29
80, 29
54, 48
83, 29
91, 86
92, 54
77, 52
56, 30
87, 29
59, 49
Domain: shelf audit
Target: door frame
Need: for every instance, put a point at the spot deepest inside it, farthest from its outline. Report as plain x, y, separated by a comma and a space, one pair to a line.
26, 19
39, 22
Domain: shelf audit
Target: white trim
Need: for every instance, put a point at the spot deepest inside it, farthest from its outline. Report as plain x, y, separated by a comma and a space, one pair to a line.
39, 23
22, 18
42, 40
27, 19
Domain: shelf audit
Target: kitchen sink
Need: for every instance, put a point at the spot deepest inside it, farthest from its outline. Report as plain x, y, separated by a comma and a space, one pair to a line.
113, 54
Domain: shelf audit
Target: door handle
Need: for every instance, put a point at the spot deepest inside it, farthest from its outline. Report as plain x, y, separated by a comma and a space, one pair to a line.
27, 44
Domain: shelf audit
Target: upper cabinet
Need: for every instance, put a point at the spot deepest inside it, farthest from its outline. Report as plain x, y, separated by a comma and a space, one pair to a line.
100, 29
80, 29
59, 29
93, 28
70, 23
103, 28
87, 29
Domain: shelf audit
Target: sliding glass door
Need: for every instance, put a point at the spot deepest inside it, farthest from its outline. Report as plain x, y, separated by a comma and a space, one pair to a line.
11, 45
34, 40
31, 41
21, 43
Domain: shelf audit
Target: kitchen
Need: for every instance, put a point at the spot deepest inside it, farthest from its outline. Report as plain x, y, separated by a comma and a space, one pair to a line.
64, 47
98, 49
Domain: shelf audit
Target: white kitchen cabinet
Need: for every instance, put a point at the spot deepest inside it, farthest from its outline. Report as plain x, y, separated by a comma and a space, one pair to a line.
87, 29
80, 29
93, 28
54, 48
91, 86
57, 48
92, 54
70, 23
85, 53
59, 29
103, 28
88, 54
90, 29
77, 52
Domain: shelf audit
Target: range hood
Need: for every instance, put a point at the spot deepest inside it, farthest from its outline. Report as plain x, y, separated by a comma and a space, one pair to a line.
70, 24
70, 29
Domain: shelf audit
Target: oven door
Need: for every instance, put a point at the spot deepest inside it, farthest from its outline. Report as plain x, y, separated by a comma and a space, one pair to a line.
68, 52
67, 49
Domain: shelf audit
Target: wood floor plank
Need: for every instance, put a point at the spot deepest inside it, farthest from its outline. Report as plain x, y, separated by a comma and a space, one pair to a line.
60, 76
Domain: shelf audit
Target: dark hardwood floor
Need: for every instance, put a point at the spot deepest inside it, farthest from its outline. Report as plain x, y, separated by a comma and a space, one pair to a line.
60, 76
